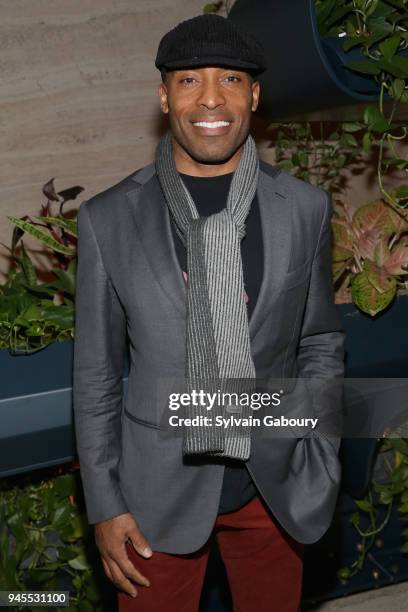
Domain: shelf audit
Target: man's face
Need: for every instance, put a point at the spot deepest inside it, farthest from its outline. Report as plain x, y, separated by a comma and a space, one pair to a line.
196, 99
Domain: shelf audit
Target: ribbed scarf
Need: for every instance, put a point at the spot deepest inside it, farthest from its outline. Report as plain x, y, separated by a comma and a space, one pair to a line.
218, 355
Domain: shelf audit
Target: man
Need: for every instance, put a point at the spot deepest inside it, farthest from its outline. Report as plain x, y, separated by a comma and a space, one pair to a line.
212, 265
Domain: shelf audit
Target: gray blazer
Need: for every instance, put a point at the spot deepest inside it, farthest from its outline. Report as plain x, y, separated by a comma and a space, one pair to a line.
130, 289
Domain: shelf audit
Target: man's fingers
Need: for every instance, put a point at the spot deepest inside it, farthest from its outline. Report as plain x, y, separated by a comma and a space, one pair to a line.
140, 544
128, 569
107, 569
120, 579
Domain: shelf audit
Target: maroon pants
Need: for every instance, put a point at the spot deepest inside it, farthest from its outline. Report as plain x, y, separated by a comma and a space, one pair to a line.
263, 563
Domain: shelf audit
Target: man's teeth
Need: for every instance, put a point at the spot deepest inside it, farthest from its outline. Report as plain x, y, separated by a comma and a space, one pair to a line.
211, 124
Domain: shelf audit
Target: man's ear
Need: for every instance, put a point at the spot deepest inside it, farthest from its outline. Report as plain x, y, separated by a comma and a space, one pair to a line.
163, 98
255, 95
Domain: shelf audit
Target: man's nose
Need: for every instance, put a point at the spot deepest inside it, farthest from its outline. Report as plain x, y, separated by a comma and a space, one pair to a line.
211, 95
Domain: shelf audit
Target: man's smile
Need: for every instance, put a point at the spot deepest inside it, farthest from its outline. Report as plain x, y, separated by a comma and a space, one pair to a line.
212, 127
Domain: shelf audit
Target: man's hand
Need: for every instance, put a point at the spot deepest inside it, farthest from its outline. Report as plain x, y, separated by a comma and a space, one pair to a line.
110, 538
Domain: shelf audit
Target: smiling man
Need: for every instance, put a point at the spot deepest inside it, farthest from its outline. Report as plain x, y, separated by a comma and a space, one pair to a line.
208, 264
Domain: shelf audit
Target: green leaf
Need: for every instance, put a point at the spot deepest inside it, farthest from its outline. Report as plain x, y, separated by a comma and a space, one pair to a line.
64, 485
385, 497
323, 11
397, 66
348, 140
367, 141
370, 8
395, 161
28, 267
77, 582
348, 42
65, 282
344, 573
364, 66
42, 235
79, 563
65, 553
364, 505
61, 515
68, 225
380, 279
352, 126
366, 297
375, 120
389, 46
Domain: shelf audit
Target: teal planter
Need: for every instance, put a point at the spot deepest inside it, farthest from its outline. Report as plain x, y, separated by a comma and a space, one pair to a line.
36, 415
35, 407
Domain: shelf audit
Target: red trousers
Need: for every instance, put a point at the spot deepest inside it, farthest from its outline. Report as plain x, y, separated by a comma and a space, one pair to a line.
263, 563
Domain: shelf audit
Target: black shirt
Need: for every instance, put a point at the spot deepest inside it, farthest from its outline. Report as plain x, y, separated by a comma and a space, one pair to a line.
210, 196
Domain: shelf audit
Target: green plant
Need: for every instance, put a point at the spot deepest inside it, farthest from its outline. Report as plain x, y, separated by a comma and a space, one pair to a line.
32, 313
370, 254
379, 29
387, 489
45, 540
370, 247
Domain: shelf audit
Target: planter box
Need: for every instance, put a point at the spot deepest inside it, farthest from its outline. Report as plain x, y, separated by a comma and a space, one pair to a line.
374, 349
35, 409
36, 416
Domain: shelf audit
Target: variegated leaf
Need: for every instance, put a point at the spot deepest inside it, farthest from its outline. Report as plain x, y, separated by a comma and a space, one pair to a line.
380, 279
373, 215
341, 236
397, 260
381, 251
43, 235
367, 298
69, 225
367, 242
339, 254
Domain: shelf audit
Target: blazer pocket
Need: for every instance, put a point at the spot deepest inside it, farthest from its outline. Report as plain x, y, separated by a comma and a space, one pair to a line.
140, 421
296, 276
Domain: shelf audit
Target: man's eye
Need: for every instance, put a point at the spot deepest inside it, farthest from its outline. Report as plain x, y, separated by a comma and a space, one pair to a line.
189, 79
232, 76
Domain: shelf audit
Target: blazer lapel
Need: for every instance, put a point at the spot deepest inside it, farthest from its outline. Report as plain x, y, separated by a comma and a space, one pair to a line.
152, 219
275, 207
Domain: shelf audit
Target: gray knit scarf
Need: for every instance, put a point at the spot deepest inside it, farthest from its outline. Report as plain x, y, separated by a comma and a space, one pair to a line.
217, 335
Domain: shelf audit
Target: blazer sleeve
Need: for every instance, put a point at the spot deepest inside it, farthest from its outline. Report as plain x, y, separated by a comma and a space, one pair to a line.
320, 356
99, 351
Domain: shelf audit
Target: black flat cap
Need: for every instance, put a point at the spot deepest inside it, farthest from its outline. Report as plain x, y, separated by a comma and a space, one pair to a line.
210, 40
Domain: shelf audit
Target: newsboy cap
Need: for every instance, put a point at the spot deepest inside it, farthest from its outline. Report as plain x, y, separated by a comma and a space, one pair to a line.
210, 40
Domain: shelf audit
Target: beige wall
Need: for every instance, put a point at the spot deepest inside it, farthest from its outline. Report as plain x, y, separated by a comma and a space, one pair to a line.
78, 97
